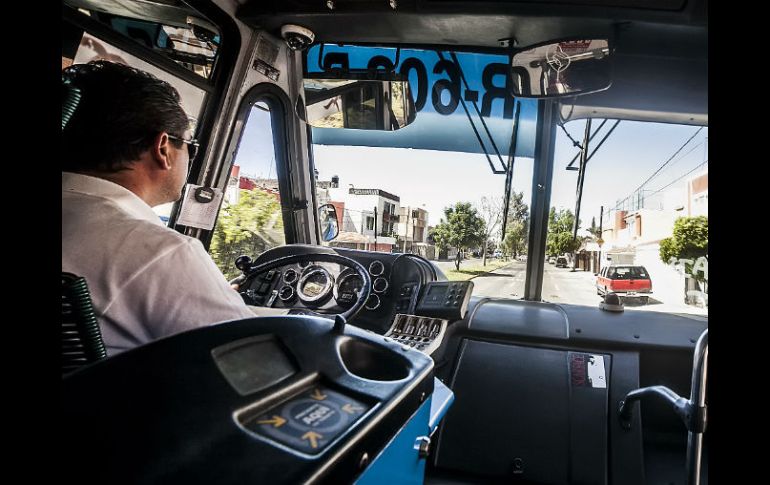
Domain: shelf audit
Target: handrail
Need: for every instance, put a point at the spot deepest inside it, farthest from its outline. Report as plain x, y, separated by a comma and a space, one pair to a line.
692, 411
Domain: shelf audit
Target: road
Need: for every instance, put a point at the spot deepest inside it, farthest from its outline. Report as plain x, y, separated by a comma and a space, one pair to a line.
562, 285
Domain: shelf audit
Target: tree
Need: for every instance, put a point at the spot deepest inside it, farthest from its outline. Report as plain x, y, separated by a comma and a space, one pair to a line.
517, 209
515, 241
689, 244
439, 236
463, 229
251, 226
492, 214
560, 240
517, 227
594, 229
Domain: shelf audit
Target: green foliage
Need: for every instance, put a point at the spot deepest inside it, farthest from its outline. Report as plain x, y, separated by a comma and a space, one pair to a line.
517, 209
515, 241
560, 230
251, 226
440, 236
689, 241
463, 228
594, 229
517, 228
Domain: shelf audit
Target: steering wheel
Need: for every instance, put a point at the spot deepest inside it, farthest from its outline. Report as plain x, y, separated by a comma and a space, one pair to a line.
363, 296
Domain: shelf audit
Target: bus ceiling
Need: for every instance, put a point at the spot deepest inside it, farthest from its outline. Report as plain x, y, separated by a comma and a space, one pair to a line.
660, 48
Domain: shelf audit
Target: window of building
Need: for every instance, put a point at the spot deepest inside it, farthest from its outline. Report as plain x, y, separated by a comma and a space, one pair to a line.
369, 223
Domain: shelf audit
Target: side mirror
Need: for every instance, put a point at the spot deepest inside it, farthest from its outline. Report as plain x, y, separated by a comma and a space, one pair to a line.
560, 69
384, 105
329, 225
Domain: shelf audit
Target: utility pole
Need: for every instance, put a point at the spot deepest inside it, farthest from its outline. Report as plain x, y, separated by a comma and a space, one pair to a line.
581, 179
600, 241
406, 227
375, 228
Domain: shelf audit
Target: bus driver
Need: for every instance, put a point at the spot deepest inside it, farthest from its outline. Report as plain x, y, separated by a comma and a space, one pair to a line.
126, 149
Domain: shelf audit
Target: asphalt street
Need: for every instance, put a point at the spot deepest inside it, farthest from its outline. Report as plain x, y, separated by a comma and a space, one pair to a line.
562, 285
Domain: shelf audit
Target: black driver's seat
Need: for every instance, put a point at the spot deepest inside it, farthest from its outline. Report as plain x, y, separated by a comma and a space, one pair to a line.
81, 339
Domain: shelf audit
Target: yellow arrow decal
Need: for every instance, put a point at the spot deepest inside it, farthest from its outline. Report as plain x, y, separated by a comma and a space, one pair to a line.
350, 409
276, 421
313, 437
318, 395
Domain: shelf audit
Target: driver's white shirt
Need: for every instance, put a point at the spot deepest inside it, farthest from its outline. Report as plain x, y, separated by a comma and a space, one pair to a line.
146, 281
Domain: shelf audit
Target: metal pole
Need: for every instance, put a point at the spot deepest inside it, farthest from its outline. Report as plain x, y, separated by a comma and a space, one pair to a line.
601, 218
547, 114
406, 227
581, 178
697, 397
375, 228
579, 191
509, 171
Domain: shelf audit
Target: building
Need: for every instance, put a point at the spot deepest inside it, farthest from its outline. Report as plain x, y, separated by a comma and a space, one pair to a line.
360, 211
412, 230
412, 224
635, 232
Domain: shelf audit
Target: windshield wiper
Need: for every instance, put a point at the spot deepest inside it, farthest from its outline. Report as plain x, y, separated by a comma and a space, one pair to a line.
481, 118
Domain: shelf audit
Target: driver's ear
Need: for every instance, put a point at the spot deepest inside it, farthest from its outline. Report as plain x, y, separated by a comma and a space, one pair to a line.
161, 151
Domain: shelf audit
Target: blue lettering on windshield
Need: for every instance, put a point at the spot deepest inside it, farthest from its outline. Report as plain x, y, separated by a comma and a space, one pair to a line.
438, 88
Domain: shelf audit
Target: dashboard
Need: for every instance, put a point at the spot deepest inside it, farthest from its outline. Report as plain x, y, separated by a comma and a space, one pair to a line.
332, 288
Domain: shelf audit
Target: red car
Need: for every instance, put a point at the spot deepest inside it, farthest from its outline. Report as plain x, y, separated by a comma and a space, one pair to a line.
625, 280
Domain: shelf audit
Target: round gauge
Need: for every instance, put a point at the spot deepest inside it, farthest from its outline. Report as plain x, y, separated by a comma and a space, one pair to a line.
348, 288
286, 293
290, 276
376, 268
380, 284
373, 302
315, 284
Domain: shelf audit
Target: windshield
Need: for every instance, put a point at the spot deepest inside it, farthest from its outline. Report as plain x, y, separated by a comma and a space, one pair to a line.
447, 185
627, 272
455, 186
642, 214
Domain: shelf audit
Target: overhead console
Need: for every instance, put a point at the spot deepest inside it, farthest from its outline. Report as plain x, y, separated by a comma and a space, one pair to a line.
289, 399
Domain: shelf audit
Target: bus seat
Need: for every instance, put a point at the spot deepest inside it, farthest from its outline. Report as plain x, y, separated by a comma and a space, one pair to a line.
81, 339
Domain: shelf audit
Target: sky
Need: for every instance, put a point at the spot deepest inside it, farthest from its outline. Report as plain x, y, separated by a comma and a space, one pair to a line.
632, 153
437, 179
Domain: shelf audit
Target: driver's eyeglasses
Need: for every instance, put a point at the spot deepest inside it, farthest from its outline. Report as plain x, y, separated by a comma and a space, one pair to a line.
192, 145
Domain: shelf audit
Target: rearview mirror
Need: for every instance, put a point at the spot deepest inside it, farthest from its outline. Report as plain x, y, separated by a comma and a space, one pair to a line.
329, 226
385, 105
559, 69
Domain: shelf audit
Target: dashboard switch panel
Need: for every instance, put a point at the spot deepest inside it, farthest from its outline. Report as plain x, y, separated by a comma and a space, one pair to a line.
445, 299
422, 333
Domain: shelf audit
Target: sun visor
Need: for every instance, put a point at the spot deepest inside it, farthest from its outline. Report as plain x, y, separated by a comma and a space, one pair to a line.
453, 104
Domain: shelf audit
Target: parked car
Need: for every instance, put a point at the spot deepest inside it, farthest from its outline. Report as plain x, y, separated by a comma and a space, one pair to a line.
561, 262
626, 280
498, 254
551, 260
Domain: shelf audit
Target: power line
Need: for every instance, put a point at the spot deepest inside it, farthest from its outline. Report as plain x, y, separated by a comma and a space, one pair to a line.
680, 178
667, 161
617, 205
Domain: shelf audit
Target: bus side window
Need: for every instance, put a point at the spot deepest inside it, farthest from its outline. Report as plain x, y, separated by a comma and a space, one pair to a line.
250, 220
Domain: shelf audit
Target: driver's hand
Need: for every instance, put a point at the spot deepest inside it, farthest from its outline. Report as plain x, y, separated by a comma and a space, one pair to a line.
235, 283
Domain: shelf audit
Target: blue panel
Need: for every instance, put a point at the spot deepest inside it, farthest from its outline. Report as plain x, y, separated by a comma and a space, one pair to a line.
438, 87
442, 399
400, 462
